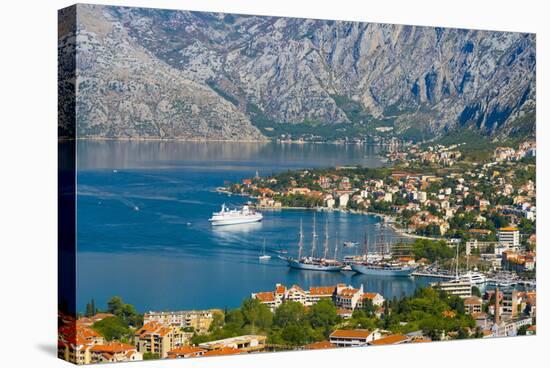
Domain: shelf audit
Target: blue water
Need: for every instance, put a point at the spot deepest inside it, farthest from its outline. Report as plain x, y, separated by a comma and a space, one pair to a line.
143, 234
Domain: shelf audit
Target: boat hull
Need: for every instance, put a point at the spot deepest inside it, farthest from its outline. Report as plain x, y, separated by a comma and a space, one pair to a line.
235, 221
375, 271
313, 267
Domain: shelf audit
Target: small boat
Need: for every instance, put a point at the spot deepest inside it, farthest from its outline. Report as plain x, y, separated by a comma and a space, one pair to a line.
350, 244
264, 256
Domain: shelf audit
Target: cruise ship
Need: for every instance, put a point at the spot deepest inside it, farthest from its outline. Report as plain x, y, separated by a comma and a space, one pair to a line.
235, 216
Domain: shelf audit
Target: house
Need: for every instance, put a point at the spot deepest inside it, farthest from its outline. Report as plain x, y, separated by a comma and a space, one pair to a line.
223, 351
347, 338
319, 345
347, 297
186, 352
391, 340
114, 352
472, 305
376, 299
245, 343
198, 320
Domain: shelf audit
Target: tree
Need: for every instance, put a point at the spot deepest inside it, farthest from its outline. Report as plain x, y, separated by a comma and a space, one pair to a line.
522, 331
90, 310
289, 312
295, 335
323, 315
217, 321
151, 356
476, 291
256, 314
113, 328
114, 305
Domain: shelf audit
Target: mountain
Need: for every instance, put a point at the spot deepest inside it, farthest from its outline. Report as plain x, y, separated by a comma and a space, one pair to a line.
178, 74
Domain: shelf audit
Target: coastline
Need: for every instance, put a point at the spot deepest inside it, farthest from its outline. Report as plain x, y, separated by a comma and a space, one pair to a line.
386, 219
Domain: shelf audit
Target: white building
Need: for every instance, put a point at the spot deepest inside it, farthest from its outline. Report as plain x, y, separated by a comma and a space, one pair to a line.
344, 199
509, 237
348, 338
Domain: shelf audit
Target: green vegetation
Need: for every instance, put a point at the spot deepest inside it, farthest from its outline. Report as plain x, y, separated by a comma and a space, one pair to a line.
222, 93
113, 328
121, 326
126, 312
432, 311
151, 356
432, 250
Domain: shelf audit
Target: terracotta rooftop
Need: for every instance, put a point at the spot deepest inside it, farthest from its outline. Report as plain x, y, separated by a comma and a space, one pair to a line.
390, 340
182, 350
362, 334
114, 347
223, 351
322, 290
319, 345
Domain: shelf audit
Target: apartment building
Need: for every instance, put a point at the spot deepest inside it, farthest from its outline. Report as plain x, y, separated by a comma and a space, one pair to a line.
157, 338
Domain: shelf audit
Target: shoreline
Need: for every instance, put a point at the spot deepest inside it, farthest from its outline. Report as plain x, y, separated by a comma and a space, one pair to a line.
386, 219
215, 140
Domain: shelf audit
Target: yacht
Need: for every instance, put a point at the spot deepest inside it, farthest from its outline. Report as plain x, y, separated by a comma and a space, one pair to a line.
473, 277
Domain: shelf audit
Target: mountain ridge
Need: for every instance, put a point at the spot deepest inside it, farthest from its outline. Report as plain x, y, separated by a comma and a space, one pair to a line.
226, 76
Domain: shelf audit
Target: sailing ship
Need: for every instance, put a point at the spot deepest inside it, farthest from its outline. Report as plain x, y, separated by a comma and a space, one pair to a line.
313, 263
264, 256
380, 266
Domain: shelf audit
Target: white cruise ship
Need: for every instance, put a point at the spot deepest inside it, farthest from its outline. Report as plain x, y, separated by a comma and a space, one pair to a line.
235, 216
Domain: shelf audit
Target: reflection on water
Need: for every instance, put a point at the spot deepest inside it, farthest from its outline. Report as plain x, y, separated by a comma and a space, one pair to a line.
166, 255
219, 155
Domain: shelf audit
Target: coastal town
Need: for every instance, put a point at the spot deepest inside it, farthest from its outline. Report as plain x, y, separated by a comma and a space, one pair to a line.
468, 225
487, 207
293, 318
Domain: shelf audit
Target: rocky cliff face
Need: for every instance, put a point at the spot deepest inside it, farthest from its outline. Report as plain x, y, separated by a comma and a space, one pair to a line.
158, 73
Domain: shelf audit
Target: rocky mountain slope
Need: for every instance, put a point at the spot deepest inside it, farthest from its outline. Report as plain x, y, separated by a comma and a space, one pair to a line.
177, 74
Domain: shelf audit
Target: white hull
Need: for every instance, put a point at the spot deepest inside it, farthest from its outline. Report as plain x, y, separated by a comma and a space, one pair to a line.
236, 221
382, 271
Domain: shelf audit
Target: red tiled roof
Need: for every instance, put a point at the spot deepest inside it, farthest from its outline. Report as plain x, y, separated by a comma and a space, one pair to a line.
153, 328
351, 333
265, 296
183, 350
319, 345
114, 347
322, 290
223, 351
390, 340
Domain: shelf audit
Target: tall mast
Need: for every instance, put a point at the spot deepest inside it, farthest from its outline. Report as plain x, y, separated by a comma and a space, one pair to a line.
336, 246
456, 261
325, 253
314, 240
301, 243
366, 245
